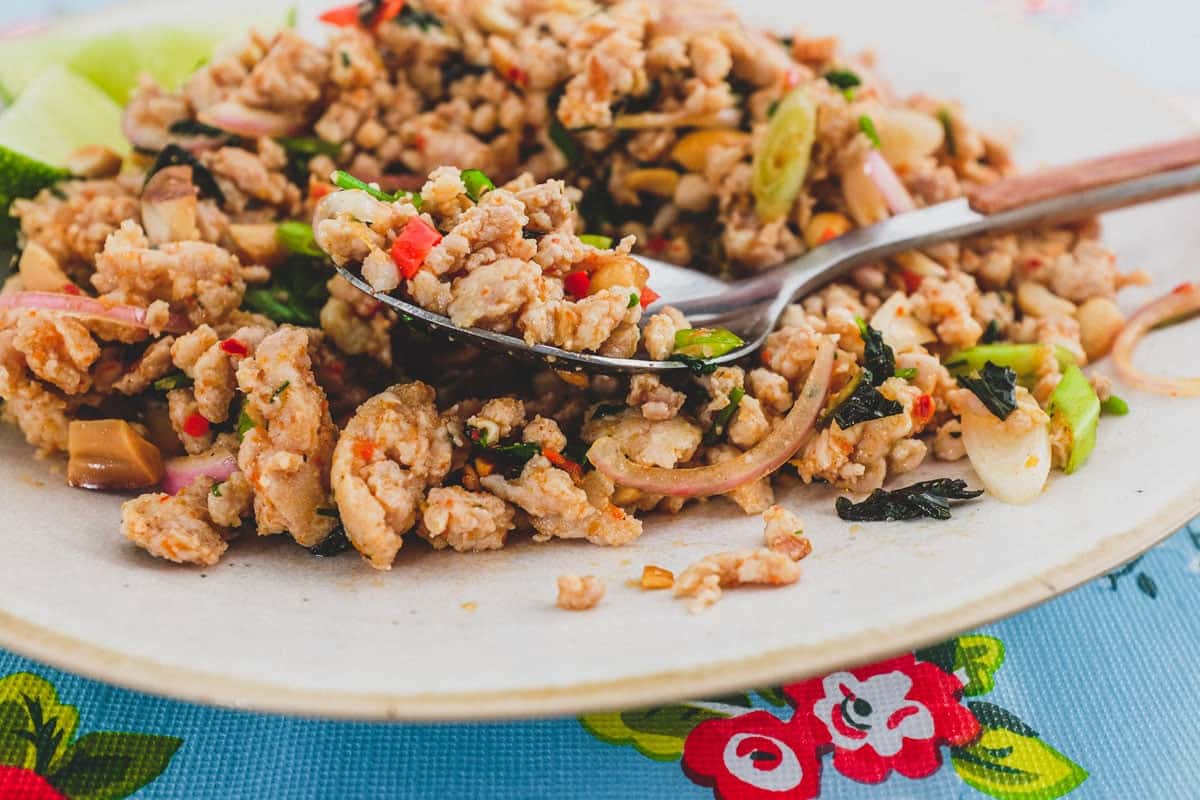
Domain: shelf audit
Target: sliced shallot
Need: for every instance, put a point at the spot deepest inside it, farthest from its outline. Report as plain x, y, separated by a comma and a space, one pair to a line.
235, 117
1184, 300
765, 457
83, 306
180, 472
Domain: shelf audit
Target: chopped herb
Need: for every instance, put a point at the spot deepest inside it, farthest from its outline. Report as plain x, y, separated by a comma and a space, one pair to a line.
345, 59
907, 373
771, 109
295, 293
519, 451
345, 180
244, 424
1114, 406
955, 434
638, 104
706, 342
216, 489
328, 512
996, 388
174, 155
336, 542
280, 389
721, 420
878, 357
634, 300
479, 436
607, 409
698, 366
924, 499
563, 141
176, 380
477, 183
843, 78
298, 238
597, 241
944, 117
308, 146
596, 206
867, 126
992, 333
865, 403
417, 19
191, 127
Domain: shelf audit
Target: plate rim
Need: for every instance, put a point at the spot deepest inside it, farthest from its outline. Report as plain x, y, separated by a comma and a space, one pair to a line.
147, 675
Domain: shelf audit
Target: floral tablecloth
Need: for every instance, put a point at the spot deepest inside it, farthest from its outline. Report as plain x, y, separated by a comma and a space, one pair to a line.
1095, 695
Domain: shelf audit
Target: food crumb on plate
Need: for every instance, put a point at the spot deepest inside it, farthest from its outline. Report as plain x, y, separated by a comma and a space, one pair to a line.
702, 583
579, 593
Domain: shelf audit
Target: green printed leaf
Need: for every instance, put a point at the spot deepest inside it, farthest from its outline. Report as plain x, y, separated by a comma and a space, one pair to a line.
109, 765
1010, 762
980, 657
34, 726
657, 733
941, 655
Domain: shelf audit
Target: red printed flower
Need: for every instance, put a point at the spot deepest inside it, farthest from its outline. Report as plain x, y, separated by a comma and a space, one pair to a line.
890, 715
753, 756
25, 784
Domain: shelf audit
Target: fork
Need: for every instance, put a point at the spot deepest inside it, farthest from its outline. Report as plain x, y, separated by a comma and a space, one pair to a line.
751, 307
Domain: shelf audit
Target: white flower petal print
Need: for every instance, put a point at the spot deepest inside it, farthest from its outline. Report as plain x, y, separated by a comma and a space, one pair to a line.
876, 711
763, 762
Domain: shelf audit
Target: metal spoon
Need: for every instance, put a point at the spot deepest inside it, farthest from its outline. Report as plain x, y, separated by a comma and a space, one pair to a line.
752, 307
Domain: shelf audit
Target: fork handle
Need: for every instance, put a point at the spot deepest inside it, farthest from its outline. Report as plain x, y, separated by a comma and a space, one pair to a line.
1047, 184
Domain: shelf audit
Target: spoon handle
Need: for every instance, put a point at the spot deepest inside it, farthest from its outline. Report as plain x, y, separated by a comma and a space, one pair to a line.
1070, 179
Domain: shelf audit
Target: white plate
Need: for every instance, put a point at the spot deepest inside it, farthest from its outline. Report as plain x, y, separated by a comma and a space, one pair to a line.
449, 636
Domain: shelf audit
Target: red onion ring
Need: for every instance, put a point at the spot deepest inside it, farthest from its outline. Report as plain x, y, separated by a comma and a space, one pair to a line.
1185, 299
235, 117
888, 183
762, 459
82, 305
178, 473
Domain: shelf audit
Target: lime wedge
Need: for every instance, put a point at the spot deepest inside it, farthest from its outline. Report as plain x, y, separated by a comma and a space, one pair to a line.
22, 60
20, 176
114, 60
58, 112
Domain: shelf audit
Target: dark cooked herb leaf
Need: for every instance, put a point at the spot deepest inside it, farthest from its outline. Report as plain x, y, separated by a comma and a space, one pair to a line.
563, 141
176, 380
865, 403
924, 499
607, 410
596, 206
996, 388
698, 366
878, 357
721, 420
295, 293
947, 121
637, 104
336, 542
992, 333
192, 127
519, 451
174, 155
843, 78
417, 19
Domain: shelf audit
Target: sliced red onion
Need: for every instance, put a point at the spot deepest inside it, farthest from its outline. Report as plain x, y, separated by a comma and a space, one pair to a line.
81, 305
762, 459
888, 183
235, 117
179, 473
1184, 300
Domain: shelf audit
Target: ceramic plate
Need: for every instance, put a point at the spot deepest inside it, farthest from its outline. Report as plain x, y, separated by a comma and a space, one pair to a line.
449, 636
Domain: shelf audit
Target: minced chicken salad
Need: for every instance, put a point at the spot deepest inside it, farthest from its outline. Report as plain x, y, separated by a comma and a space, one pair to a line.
176, 326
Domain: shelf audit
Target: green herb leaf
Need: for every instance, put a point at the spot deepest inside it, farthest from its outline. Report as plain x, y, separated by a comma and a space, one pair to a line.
519, 451
308, 146
174, 155
345, 180
878, 357
298, 238
245, 424
924, 499
706, 342
216, 489
907, 373
721, 420
176, 380
563, 141
597, 241
992, 333
477, 183
294, 294
1115, 406
867, 126
843, 78
996, 388
698, 366
596, 205
634, 299
280, 390
944, 117
419, 19
192, 127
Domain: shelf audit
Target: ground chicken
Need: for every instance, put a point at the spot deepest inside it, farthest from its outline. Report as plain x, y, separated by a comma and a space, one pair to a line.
783, 532
467, 521
177, 528
703, 581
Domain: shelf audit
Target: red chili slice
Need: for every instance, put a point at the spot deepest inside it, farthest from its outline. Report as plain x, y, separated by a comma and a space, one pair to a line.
577, 284
412, 245
342, 16
195, 425
235, 347
648, 296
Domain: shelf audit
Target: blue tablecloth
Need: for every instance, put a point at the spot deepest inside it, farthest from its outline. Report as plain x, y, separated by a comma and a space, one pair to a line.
1094, 694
